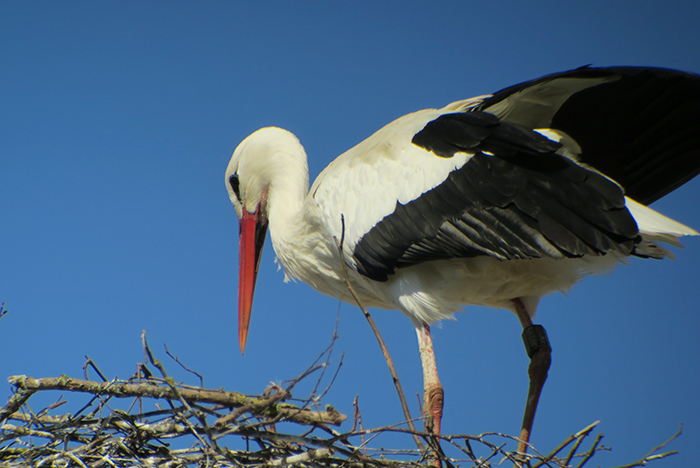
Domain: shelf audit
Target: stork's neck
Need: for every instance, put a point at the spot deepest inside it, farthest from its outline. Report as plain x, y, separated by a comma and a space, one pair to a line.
286, 194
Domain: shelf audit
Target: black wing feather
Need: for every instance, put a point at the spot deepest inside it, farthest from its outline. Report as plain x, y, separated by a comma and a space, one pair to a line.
639, 126
516, 198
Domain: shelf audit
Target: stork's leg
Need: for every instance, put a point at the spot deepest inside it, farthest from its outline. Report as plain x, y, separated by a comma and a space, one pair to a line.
540, 353
433, 393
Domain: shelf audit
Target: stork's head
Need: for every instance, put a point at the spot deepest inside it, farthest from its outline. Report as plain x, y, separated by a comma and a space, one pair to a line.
249, 176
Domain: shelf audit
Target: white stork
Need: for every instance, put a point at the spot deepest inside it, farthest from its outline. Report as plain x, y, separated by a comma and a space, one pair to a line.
497, 201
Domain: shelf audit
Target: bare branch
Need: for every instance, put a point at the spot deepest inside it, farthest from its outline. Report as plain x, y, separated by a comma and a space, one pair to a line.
592, 450
650, 455
382, 345
151, 390
175, 358
578, 436
187, 433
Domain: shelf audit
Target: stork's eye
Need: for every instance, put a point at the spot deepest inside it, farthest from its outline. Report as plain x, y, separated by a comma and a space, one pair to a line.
233, 182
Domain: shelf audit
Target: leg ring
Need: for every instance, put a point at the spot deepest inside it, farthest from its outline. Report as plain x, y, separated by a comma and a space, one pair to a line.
535, 338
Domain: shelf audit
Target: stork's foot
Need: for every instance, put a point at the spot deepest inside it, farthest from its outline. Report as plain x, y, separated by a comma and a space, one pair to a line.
540, 353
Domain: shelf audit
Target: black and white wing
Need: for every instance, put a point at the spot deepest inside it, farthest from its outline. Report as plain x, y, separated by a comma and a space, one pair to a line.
548, 165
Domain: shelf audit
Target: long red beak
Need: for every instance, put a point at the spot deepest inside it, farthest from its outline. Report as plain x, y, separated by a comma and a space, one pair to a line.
253, 227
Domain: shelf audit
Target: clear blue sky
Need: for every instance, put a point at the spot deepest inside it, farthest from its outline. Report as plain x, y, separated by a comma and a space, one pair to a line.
117, 121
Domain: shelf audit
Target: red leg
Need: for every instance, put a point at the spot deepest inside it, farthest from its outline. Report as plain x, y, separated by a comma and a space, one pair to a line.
540, 353
433, 393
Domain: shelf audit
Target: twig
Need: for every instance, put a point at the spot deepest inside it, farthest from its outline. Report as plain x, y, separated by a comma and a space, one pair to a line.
382, 345
255, 407
176, 391
19, 398
89, 363
175, 358
470, 452
335, 376
579, 435
327, 352
573, 450
591, 451
649, 457
301, 458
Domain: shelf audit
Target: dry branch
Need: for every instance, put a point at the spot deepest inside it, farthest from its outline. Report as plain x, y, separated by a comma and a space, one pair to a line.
215, 428
375, 330
153, 389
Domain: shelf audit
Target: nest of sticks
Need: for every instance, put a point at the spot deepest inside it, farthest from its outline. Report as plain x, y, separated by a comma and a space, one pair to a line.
194, 426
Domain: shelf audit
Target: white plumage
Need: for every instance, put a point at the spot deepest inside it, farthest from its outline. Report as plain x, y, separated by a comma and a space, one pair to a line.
362, 186
493, 201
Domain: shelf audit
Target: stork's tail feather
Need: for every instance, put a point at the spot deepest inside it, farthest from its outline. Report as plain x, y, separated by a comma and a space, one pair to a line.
655, 228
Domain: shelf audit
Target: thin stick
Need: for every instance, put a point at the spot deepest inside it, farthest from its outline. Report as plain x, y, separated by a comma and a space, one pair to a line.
313, 397
382, 345
590, 453
175, 358
90, 363
579, 435
648, 457
18, 399
171, 383
574, 449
